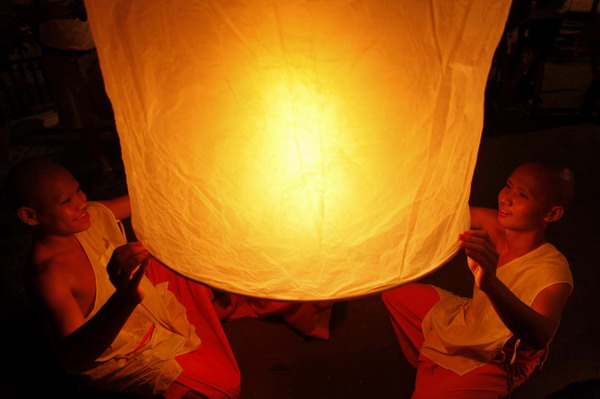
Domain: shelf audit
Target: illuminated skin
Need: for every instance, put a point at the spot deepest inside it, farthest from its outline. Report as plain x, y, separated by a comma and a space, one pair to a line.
514, 230
60, 208
523, 203
61, 279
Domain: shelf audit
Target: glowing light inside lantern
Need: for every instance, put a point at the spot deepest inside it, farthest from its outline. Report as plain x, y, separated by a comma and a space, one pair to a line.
298, 150
299, 134
294, 169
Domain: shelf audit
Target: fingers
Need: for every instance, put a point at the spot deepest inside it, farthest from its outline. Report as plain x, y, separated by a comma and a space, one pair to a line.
476, 240
473, 265
128, 282
139, 273
483, 247
479, 247
475, 235
130, 255
482, 258
132, 248
124, 266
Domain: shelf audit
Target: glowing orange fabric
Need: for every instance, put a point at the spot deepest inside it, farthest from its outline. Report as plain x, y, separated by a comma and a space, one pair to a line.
298, 150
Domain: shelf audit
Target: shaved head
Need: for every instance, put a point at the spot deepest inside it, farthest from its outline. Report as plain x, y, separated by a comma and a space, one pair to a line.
26, 181
560, 181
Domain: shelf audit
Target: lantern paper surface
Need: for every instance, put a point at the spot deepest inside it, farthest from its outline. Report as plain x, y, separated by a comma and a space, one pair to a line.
298, 150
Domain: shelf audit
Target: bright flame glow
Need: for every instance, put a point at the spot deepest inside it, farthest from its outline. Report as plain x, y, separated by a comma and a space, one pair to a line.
295, 160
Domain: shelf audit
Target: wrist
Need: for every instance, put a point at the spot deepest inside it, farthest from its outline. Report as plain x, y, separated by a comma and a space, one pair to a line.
490, 285
128, 298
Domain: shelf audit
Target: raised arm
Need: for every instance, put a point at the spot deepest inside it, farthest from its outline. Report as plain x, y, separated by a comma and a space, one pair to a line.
120, 206
535, 325
80, 342
483, 218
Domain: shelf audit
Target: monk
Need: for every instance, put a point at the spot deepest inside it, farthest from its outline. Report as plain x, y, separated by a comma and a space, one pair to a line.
484, 346
118, 318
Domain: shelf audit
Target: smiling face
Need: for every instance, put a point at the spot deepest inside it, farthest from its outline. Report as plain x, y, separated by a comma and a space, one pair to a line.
59, 207
524, 202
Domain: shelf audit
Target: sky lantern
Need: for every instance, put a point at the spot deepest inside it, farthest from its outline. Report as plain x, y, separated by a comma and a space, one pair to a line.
295, 149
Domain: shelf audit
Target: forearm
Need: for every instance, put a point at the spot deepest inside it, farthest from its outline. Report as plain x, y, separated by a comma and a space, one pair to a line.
533, 328
83, 346
483, 218
120, 206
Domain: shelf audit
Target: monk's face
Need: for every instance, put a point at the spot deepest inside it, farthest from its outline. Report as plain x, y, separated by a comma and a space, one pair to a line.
60, 207
523, 202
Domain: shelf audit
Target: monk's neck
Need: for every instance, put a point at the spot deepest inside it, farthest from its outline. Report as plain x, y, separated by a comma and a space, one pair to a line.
519, 243
56, 241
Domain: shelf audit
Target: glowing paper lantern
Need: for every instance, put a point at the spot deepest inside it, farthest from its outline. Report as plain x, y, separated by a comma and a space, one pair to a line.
298, 149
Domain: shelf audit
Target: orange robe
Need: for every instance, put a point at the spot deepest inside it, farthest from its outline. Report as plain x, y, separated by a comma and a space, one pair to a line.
460, 347
211, 369
310, 318
173, 335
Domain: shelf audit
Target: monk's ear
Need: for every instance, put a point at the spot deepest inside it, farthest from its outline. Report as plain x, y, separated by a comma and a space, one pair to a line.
28, 215
555, 213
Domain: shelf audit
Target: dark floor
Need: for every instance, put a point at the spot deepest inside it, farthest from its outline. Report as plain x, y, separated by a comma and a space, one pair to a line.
362, 358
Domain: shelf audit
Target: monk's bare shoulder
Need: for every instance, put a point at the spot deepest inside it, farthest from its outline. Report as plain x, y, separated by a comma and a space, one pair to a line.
49, 271
62, 286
